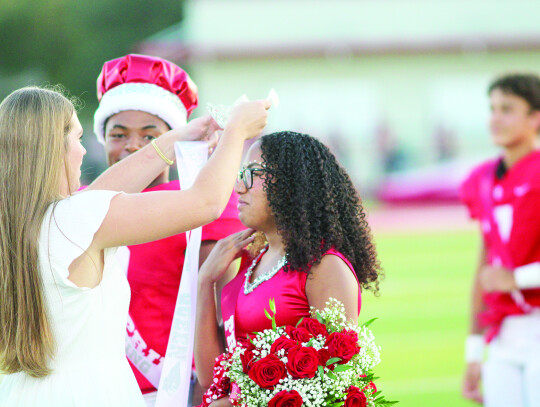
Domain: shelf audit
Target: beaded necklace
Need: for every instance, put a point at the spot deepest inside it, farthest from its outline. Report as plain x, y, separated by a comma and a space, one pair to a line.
249, 287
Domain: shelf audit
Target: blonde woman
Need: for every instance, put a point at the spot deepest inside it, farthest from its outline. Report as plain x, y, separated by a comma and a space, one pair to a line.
63, 299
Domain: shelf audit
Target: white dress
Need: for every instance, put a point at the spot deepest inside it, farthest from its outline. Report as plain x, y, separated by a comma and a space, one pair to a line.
89, 368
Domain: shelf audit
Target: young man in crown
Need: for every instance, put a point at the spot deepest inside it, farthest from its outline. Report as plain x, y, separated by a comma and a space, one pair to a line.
142, 97
503, 194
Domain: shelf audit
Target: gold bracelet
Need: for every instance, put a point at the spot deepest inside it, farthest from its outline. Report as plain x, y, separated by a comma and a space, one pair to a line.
160, 153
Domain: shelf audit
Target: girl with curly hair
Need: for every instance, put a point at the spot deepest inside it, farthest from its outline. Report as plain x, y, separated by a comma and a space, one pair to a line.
314, 244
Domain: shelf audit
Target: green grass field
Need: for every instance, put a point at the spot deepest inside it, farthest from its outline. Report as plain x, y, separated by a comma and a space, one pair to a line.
422, 315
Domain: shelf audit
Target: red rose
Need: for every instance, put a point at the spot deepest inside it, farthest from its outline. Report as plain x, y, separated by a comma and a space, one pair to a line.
314, 327
286, 399
342, 345
324, 355
302, 362
355, 398
247, 358
298, 334
351, 333
282, 343
267, 371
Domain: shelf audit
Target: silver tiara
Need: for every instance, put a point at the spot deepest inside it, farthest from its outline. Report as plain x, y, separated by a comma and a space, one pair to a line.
221, 113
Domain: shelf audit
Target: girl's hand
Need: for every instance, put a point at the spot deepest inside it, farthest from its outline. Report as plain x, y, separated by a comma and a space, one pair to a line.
223, 254
222, 402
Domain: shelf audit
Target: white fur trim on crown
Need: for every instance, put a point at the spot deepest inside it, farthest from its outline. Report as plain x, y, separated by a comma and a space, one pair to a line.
146, 97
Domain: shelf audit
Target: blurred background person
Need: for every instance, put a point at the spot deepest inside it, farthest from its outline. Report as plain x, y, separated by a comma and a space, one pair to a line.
503, 194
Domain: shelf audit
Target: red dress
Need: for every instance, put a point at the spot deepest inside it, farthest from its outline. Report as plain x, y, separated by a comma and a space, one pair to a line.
507, 208
244, 313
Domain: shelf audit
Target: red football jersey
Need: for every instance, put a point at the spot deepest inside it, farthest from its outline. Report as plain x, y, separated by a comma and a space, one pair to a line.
508, 210
154, 273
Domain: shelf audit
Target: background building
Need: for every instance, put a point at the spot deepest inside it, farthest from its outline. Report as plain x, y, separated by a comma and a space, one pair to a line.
389, 85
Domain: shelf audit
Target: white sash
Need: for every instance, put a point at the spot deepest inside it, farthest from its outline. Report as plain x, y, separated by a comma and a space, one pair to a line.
173, 389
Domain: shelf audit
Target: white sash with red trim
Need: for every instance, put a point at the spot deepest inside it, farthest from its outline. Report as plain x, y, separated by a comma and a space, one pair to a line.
171, 374
173, 388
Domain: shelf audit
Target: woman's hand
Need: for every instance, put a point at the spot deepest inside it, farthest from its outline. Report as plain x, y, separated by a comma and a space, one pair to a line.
223, 254
249, 118
201, 129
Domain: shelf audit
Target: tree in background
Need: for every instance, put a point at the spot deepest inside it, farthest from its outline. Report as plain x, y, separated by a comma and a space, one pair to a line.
67, 41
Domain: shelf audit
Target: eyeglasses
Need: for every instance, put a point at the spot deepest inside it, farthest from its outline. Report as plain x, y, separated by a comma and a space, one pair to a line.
246, 175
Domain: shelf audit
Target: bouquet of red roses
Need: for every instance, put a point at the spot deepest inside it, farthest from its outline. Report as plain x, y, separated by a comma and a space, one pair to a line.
322, 361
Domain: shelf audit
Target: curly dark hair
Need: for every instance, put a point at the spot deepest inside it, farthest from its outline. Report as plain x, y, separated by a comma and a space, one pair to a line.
316, 206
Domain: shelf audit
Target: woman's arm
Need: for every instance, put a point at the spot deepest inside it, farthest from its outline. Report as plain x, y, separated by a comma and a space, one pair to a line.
332, 278
138, 170
139, 218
